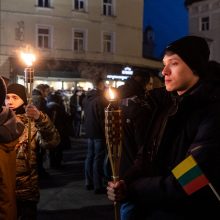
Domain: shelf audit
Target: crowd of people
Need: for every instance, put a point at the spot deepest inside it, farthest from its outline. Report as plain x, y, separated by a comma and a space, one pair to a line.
162, 124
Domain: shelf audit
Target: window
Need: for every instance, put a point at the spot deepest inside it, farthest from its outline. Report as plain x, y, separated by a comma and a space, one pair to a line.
107, 7
79, 5
44, 37
79, 41
205, 25
44, 3
150, 35
107, 42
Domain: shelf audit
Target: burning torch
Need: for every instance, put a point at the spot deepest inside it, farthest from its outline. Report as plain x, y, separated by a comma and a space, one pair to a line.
28, 58
113, 133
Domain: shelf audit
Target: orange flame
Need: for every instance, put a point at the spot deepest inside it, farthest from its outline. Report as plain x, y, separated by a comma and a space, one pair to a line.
27, 55
111, 94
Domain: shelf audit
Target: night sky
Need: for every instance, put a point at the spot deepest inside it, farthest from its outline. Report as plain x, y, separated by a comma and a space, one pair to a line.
169, 20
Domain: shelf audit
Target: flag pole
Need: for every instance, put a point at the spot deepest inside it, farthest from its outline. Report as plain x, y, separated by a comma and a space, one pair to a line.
214, 191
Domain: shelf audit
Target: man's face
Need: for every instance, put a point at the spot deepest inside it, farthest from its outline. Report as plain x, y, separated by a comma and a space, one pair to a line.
13, 101
177, 75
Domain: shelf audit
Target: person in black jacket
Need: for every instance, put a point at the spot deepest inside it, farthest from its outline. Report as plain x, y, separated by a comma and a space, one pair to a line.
94, 105
60, 118
39, 99
185, 121
76, 110
134, 116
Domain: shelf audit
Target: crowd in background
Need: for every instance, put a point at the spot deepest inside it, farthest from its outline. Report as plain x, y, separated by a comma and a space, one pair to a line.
67, 113
55, 117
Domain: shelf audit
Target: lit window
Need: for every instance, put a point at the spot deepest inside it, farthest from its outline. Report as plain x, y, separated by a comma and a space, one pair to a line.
205, 25
44, 3
79, 41
107, 42
107, 7
43, 37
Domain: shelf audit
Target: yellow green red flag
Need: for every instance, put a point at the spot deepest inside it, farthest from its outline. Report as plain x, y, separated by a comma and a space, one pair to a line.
189, 175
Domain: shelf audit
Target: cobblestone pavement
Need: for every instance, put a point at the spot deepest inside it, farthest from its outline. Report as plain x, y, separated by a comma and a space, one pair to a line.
63, 195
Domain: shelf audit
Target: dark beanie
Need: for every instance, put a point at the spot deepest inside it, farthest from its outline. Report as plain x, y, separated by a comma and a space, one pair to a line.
193, 50
2, 91
19, 90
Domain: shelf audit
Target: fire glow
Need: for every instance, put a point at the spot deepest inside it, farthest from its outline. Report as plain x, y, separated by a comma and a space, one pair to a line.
28, 58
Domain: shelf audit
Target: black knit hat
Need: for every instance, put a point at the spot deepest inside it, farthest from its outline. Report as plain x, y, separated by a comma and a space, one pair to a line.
193, 50
19, 90
2, 91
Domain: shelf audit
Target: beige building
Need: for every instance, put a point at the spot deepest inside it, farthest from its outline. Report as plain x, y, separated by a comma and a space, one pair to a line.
73, 39
204, 17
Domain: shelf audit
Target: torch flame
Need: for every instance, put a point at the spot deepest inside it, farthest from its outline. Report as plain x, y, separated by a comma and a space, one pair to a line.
28, 58
111, 94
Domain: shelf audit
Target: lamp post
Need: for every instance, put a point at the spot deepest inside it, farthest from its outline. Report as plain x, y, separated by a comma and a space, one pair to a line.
28, 58
113, 133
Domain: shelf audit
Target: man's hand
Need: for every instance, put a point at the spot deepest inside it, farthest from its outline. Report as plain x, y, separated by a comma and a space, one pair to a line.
116, 191
32, 112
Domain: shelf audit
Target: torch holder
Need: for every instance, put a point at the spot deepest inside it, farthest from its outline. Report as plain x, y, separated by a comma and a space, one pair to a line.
113, 134
29, 80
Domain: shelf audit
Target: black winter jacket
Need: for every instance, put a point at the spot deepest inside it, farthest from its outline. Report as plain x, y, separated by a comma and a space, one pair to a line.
94, 109
181, 125
135, 118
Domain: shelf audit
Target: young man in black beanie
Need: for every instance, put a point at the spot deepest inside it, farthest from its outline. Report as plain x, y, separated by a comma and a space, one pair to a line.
43, 134
185, 122
10, 130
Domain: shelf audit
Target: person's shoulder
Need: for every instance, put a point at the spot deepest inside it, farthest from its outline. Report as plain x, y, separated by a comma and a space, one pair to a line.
52, 104
159, 94
215, 95
210, 91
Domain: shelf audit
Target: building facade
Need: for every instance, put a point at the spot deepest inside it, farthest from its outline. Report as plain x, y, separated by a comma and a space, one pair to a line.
204, 17
72, 39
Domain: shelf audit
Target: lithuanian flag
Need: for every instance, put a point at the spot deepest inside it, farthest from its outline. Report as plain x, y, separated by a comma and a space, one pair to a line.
189, 175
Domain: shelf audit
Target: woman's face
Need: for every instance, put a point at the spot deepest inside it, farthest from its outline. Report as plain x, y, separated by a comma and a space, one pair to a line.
13, 101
